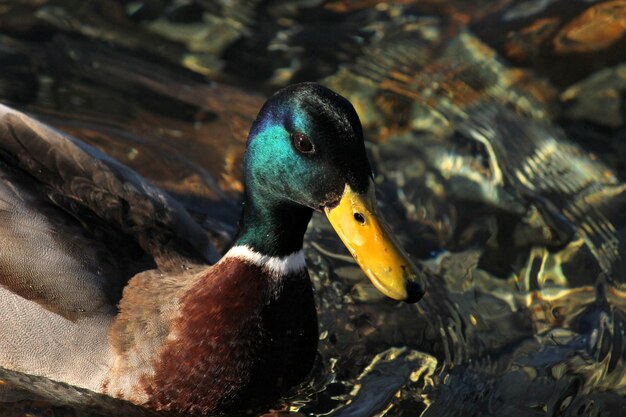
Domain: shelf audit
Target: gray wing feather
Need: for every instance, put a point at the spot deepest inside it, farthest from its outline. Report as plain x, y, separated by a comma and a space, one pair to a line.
75, 224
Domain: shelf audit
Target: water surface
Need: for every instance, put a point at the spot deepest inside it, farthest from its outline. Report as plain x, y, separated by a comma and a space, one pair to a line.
496, 131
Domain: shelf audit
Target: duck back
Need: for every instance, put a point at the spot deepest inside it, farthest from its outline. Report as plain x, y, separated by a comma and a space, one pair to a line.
75, 227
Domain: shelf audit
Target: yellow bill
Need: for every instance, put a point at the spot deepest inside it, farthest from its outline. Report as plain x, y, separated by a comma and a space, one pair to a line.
362, 230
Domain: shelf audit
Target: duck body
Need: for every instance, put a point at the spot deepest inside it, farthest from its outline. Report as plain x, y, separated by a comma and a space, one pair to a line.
157, 350
106, 282
261, 340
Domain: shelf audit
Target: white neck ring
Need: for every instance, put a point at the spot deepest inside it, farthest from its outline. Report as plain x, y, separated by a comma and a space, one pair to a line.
276, 266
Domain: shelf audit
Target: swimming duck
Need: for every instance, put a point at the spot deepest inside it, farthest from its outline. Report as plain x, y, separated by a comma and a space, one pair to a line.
105, 280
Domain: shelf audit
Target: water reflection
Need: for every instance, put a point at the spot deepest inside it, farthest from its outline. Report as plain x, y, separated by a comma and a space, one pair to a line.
496, 133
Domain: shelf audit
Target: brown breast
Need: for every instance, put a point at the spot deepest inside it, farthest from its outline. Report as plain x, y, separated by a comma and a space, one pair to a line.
240, 340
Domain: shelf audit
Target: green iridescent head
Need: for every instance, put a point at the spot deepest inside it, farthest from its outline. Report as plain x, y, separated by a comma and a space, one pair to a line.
305, 145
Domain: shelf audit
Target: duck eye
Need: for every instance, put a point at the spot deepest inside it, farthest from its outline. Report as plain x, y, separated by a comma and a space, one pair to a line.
302, 143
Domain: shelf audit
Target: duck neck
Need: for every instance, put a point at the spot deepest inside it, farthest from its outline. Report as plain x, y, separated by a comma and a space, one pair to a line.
272, 227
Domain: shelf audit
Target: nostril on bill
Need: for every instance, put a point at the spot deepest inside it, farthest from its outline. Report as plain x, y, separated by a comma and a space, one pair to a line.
359, 218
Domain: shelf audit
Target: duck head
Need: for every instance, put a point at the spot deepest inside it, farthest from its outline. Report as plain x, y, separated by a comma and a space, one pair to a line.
306, 152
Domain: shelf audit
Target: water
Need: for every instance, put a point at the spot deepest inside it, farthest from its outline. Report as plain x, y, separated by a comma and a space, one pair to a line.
496, 131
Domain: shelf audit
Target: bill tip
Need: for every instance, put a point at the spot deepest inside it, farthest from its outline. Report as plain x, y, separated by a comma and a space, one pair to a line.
414, 291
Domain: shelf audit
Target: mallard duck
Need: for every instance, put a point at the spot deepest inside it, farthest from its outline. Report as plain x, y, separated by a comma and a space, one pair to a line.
105, 280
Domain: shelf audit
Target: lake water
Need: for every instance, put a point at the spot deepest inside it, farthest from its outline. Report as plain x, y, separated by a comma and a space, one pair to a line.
497, 133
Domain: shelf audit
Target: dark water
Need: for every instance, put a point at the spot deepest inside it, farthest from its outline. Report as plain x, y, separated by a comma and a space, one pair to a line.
497, 133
